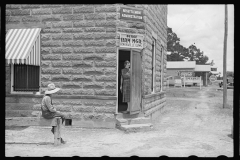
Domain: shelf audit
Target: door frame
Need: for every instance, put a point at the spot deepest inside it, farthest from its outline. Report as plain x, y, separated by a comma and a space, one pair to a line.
126, 49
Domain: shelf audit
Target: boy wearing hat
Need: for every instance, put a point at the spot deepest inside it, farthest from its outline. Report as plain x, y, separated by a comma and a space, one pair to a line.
48, 110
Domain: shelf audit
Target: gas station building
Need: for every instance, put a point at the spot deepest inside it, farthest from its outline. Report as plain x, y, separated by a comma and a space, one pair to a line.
189, 69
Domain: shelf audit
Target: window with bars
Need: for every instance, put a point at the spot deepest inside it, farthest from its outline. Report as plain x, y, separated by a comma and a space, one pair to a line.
25, 77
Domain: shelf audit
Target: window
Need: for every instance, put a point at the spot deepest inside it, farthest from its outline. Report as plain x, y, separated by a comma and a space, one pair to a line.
25, 78
213, 69
153, 64
23, 48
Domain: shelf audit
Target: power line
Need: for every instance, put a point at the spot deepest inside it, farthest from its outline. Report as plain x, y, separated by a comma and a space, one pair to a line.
183, 22
186, 20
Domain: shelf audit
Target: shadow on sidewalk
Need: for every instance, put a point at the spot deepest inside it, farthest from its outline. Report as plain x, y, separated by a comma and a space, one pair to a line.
18, 128
37, 143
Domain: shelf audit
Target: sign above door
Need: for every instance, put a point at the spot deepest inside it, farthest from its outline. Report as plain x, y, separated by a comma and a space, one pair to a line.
131, 40
131, 14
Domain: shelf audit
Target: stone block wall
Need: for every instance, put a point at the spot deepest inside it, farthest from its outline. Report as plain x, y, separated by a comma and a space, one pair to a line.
155, 17
154, 104
156, 21
7, 78
78, 54
78, 51
89, 112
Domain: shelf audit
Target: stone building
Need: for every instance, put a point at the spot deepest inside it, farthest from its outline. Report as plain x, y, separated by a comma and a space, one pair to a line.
80, 49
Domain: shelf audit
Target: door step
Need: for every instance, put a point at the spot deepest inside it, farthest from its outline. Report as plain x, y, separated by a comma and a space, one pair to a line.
136, 127
129, 121
134, 124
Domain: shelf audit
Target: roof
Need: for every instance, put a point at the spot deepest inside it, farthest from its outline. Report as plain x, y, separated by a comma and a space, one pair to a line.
203, 68
213, 66
181, 64
188, 64
214, 72
23, 46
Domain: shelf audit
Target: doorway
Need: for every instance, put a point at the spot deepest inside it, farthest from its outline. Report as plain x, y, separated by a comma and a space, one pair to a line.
123, 56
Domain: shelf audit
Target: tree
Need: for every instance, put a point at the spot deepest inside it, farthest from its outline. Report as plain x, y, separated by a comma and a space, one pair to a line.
174, 46
230, 74
181, 53
196, 55
172, 39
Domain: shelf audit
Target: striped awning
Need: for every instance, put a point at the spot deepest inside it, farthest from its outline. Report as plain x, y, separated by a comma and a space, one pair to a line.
23, 46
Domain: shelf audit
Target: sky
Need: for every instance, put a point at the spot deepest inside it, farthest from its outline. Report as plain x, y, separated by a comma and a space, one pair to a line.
204, 26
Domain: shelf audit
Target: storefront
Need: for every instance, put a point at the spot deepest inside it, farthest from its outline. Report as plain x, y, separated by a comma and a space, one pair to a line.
82, 50
188, 69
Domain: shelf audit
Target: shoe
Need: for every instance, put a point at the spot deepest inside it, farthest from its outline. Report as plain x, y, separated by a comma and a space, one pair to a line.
63, 142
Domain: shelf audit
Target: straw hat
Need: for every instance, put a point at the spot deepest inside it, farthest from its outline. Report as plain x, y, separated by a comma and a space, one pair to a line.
51, 89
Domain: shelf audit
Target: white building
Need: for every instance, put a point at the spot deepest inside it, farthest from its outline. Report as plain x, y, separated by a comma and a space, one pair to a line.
188, 68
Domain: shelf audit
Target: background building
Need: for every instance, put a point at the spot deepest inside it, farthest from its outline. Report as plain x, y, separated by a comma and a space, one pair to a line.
214, 71
189, 68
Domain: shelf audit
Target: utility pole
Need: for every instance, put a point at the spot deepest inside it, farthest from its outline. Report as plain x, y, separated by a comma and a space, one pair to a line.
225, 59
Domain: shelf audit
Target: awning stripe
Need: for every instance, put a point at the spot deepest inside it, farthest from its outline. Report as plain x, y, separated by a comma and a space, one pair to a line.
22, 46
12, 46
32, 58
24, 51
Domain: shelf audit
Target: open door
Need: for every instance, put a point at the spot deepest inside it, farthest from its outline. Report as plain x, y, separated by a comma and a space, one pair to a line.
136, 80
123, 56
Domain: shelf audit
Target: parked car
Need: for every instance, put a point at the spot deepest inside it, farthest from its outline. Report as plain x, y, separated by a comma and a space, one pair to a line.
220, 84
230, 85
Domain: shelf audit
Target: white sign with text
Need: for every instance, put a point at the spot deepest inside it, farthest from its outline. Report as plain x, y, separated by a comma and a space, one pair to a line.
192, 79
131, 40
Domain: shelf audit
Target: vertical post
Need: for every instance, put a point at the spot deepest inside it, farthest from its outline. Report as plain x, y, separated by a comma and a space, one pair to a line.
116, 111
206, 79
225, 59
174, 82
200, 82
184, 80
57, 131
12, 76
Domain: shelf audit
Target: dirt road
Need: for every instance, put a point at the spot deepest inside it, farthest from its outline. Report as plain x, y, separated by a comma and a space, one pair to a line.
193, 123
